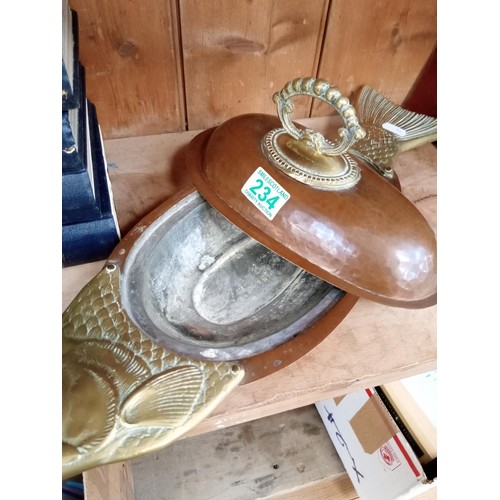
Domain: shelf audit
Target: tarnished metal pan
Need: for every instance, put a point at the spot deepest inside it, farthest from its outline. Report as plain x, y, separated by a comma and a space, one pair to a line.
195, 283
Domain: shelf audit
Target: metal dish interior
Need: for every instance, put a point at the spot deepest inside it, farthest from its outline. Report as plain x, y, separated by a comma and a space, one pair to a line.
198, 285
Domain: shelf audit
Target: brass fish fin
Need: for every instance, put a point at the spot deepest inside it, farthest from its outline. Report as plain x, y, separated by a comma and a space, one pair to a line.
166, 400
372, 108
390, 130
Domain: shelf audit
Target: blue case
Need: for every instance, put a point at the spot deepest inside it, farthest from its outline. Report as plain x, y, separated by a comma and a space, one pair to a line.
91, 240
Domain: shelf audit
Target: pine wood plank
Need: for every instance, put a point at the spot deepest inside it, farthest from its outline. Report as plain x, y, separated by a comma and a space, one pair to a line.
286, 456
109, 481
373, 345
145, 172
75, 278
381, 43
236, 53
429, 494
271, 457
333, 488
131, 54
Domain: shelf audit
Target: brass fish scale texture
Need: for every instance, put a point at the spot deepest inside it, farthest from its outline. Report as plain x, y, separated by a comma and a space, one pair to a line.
378, 145
123, 395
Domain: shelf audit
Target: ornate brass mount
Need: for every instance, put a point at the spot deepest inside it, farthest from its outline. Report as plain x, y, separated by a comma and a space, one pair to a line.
390, 130
123, 395
305, 154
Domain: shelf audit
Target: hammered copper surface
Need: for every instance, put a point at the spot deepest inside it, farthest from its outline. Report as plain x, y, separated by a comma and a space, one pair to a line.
368, 240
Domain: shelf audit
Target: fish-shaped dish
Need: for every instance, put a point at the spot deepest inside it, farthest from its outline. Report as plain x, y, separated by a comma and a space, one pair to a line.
244, 272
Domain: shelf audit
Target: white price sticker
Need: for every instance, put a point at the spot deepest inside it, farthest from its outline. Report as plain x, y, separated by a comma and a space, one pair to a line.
394, 129
265, 193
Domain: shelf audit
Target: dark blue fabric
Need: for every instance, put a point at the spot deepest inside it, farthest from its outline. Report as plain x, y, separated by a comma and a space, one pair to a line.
78, 201
94, 238
88, 241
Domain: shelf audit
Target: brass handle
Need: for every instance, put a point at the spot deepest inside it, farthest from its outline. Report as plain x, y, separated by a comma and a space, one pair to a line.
320, 89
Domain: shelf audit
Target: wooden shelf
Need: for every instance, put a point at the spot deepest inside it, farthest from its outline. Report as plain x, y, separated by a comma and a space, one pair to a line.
287, 456
375, 344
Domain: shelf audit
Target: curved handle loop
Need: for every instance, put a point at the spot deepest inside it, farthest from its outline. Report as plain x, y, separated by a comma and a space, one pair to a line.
320, 89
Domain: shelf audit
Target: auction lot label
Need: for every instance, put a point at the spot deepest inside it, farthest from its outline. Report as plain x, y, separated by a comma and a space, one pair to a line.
265, 193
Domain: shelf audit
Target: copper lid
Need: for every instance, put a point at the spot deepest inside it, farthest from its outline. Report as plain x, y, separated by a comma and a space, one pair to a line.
316, 203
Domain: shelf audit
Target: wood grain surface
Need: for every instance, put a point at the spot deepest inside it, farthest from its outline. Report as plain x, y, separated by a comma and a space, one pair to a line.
131, 54
109, 482
236, 53
381, 43
271, 457
145, 171
163, 66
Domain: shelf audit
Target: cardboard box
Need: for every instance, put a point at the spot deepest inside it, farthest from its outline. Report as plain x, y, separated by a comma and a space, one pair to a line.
414, 401
376, 455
